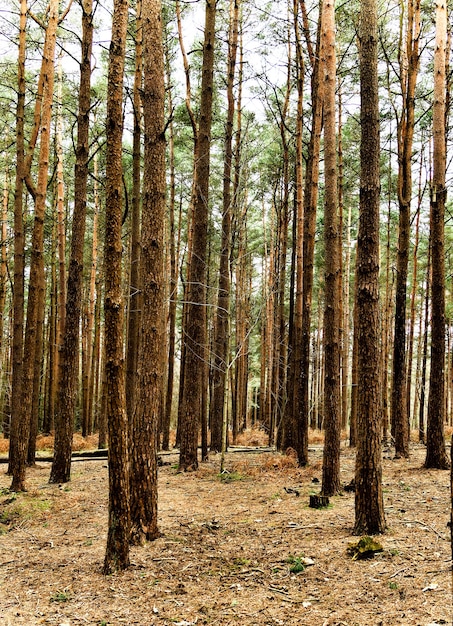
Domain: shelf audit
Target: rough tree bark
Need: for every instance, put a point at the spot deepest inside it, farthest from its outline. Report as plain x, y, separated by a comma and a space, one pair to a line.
195, 331
221, 336
369, 504
134, 300
19, 259
117, 550
436, 455
310, 205
68, 358
42, 122
332, 396
143, 480
409, 64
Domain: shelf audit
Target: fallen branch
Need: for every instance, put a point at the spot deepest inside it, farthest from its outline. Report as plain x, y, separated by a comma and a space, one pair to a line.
416, 521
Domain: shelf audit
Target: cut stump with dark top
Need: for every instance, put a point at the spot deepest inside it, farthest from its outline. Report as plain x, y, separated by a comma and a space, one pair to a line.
318, 502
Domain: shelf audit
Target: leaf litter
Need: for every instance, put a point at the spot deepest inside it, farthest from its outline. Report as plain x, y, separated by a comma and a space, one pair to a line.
245, 551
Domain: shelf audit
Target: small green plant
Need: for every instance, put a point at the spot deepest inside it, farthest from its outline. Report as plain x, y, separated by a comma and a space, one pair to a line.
394, 552
230, 477
393, 585
296, 563
103, 623
241, 561
60, 596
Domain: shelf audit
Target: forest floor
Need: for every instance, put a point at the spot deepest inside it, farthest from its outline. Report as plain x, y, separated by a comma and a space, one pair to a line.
230, 548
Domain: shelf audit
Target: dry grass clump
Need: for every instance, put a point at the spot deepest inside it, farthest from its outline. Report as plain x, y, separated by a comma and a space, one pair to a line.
315, 436
269, 463
4, 445
84, 443
254, 436
279, 462
46, 442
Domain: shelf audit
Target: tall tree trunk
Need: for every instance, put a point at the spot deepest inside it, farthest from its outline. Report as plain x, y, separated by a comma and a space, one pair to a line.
409, 58
332, 403
20, 432
436, 455
354, 372
4, 349
174, 256
61, 234
51, 364
294, 347
413, 307
37, 370
68, 358
293, 396
310, 205
220, 344
421, 417
152, 330
195, 331
134, 301
117, 550
242, 329
387, 317
344, 276
369, 503
283, 221
97, 364
19, 257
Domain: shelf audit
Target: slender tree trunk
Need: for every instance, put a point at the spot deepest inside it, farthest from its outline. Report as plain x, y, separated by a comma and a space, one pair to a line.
91, 325
4, 346
242, 330
19, 257
421, 418
418, 368
38, 368
96, 301
68, 358
294, 358
310, 206
436, 455
61, 298
20, 433
369, 504
283, 217
344, 278
51, 365
332, 403
408, 58
412, 321
152, 330
174, 255
195, 332
117, 550
134, 301
221, 335
354, 372
386, 322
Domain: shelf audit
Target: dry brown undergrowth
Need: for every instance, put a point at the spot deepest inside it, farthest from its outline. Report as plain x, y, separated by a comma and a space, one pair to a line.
230, 549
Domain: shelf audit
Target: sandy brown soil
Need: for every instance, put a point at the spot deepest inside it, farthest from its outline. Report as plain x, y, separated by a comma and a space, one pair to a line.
227, 549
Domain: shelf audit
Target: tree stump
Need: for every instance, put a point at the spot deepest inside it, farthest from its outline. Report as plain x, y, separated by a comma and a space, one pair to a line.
318, 502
